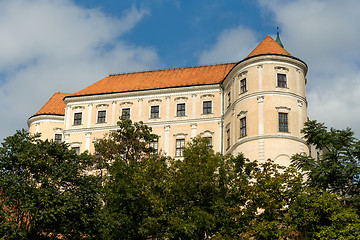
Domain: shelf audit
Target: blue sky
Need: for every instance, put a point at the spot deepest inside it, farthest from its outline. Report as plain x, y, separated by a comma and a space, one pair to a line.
65, 45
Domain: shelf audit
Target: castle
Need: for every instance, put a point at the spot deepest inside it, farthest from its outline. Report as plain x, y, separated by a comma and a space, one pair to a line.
256, 106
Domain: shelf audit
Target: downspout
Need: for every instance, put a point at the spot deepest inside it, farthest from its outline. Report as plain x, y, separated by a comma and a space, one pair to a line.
222, 122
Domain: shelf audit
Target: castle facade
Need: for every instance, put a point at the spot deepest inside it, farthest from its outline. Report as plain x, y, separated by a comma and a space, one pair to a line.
256, 106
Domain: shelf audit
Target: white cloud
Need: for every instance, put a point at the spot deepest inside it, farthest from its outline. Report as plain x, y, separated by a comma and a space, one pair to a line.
324, 33
54, 45
231, 45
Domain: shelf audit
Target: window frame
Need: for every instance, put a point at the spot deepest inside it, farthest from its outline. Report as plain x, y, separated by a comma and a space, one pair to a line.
77, 120
206, 108
76, 149
56, 139
283, 119
154, 145
227, 138
243, 87
101, 116
126, 116
180, 109
243, 130
155, 114
281, 80
179, 147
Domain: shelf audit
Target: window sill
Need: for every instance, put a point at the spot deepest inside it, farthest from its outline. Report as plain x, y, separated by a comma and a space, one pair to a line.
243, 92
101, 123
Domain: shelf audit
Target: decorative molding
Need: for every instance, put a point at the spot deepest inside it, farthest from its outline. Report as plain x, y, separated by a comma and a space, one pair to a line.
283, 109
242, 74
154, 101
126, 104
300, 103
102, 105
78, 108
260, 99
207, 96
206, 133
242, 114
178, 99
227, 126
180, 135
281, 69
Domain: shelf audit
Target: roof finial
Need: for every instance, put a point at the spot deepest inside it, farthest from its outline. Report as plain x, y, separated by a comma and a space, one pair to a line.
278, 38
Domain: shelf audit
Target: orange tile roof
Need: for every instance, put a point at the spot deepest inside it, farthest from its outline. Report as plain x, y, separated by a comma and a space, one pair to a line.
159, 79
55, 105
268, 45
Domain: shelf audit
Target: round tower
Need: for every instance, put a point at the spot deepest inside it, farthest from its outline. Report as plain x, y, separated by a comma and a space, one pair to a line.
265, 105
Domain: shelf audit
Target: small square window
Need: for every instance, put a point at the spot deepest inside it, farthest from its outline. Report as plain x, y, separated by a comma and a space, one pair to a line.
58, 138
180, 145
283, 122
155, 112
207, 107
77, 118
243, 85
125, 114
101, 116
243, 127
180, 109
281, 80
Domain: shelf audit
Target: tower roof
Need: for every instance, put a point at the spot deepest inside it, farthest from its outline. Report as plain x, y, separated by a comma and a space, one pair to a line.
54, 105
268, 46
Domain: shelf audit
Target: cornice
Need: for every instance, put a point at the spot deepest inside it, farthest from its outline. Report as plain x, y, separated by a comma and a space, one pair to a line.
141, 93
45, 117
255, 138
150, 124
263, 93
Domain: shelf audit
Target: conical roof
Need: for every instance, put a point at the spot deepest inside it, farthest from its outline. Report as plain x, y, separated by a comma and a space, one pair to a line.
268, 46
55, 105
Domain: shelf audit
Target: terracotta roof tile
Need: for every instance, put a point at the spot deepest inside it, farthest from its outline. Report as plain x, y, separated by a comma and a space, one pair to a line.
159, 79
268, 45
55, 105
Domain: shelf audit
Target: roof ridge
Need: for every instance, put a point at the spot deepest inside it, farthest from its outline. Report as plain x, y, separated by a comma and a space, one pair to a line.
175, 68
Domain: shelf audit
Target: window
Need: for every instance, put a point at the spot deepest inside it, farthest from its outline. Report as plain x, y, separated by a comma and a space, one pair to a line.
76, 149
243, 85
125, 114
180, 109
77, 118
58, 138
155, 112
281, 80
209, 144
207, 107
101, 116
154, 145
243, 127
229, 98
228, 139
283, 122
180, 145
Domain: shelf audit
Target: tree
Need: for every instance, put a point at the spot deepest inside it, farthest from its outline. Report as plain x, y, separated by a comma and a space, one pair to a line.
135, 189
318, 214
338, 170
196, 190
45, 193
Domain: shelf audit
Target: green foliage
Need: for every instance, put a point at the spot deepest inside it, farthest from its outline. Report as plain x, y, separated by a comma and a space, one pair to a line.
338, 170
318, 214
44, 191
135, 189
